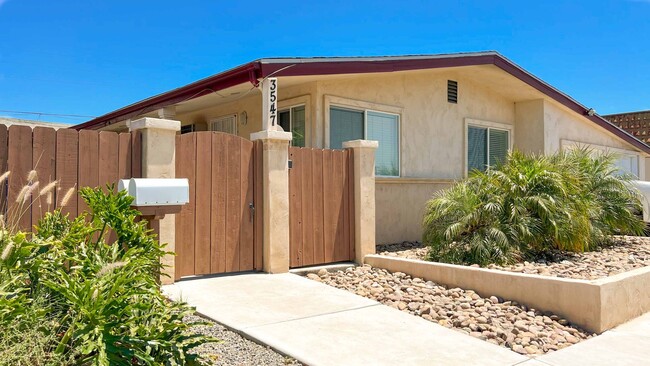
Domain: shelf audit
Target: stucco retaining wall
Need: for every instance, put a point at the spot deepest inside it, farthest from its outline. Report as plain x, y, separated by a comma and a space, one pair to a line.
594, 305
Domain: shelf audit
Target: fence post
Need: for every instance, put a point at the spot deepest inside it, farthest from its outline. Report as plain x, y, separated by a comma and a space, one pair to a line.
363, 156
275, 207
158, 161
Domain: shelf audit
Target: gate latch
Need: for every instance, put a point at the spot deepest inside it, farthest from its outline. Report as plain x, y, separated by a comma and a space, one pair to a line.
251, 208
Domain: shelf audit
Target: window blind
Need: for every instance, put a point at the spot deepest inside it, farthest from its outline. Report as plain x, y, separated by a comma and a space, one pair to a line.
345, 125
385, 129
498, 146
476, 148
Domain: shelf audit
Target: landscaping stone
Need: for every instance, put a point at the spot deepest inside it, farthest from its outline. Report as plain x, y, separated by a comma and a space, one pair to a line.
625, 253
234, 349
505, 323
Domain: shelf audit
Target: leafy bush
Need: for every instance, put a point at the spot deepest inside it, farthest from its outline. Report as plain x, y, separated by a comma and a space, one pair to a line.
530, 204
98, 303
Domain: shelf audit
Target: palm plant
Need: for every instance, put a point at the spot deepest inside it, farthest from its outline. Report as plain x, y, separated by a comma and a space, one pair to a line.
530, 204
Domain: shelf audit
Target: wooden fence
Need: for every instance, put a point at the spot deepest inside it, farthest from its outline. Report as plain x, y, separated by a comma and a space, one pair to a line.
72, 158
321, 206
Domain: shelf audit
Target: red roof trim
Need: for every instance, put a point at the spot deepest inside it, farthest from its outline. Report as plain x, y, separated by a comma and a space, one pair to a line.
255, 70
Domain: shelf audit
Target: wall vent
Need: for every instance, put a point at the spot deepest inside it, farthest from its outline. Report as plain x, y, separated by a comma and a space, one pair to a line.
227, 124
452, 91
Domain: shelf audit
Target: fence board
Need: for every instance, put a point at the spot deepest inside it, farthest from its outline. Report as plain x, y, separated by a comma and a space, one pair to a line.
307, 206
218, 200
351, 205
136, 154
203, 186
185, 168
295, 210
233, 204
340, 244
246, 240
67, 159
318, 206
44, 162
4, 155
124, 156
88, 171
20, 164
109, 146
329, 225
259, 205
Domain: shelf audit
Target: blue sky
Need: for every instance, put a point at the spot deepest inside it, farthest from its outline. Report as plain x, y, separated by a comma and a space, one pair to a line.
91, 57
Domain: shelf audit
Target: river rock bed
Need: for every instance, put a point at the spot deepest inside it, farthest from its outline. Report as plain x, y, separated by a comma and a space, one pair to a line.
624, 254
505, 323
233, 348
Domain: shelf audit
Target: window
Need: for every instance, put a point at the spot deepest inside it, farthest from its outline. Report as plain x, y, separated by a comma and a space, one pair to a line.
227, 124
486, 146
293, 119
627, 164
349, 124
188, 128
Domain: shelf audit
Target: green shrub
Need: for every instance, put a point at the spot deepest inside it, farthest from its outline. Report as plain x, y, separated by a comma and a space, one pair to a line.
104, 297
530, 204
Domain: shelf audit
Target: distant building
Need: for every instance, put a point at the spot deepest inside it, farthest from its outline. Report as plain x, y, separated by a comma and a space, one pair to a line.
636, 123
8, 121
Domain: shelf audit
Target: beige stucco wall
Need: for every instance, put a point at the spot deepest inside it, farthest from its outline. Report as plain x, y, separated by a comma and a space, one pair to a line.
561, 124
400, 207
529, 126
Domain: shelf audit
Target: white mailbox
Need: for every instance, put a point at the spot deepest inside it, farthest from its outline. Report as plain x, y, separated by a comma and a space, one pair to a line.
156, 191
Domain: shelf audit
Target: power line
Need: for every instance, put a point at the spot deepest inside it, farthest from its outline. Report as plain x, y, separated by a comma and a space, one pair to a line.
46, 114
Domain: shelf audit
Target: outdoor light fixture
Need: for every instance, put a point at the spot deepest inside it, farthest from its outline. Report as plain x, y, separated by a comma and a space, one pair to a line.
590, 112
243, 118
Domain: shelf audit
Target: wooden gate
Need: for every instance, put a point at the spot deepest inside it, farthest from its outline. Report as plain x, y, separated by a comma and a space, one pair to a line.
72, 158
321, 206
215, 232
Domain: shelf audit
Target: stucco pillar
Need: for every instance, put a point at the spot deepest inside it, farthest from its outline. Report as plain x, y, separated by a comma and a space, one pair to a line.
275, 208
158, 161
363, 155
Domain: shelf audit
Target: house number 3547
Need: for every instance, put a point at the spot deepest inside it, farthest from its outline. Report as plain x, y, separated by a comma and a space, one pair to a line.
273, 100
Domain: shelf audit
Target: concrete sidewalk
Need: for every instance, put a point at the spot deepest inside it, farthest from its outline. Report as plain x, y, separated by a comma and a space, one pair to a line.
321, 325
627, 344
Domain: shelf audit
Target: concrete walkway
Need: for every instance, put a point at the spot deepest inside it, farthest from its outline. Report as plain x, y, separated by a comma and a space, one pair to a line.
321, 325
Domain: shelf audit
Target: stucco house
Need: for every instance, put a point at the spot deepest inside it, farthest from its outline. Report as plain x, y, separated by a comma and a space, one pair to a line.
436, 117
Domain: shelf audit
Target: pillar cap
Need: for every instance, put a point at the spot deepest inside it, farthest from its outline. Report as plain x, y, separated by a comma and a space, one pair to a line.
155, 123
368, 144
272, 135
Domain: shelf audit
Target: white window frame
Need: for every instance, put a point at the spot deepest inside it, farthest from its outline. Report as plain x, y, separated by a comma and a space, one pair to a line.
470, 122
289, 108
640, 161
365, 107
232, 116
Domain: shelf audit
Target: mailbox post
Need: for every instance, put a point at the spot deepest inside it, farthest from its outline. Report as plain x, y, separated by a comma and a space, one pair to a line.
156, 197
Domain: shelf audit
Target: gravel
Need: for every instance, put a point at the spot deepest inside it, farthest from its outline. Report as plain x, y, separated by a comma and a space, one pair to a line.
624, 254
505, 323
234, 349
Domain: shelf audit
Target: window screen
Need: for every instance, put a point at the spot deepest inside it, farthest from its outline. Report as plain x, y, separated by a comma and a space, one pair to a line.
476, 148
345, 125
385, 129
227, 124
498, 146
